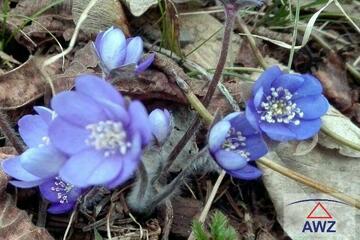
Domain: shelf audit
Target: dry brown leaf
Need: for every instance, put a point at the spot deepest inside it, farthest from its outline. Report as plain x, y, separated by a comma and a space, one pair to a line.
332, 74
21, 85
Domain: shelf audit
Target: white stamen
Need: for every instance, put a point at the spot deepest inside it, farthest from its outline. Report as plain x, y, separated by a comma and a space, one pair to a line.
62, 189
278, 107
235, 142
108, 136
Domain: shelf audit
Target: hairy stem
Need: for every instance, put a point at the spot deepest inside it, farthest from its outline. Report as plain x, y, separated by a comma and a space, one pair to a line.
10, 134
195, 124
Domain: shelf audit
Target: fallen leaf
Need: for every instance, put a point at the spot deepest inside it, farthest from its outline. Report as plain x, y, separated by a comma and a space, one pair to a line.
321, 164
341, 126
201, 27
332, 75
139, 7
104, 14
22, 85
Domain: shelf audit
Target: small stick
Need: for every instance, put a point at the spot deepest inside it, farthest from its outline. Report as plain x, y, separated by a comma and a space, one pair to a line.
53, 59
10, 134
207, 207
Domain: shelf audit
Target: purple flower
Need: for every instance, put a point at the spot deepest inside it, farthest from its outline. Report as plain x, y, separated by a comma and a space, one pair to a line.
101, 132
115, 51
161, 125
233, 142
61, 195
40, 164
41, 161
286, 106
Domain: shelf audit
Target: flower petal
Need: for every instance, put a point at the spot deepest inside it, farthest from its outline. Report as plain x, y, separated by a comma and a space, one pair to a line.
311, 86
113, 48
131, 162
33, 129
160, 124
45, 113
13, 168
306, 128
96, 169
230, 160
145, 63
242, 124
77, 108
218, 134
277, 131
43, 162
266, 79
313, 106
288, 81
59, 208
67, 137
134, 50
140, 121
246, 173
256, 146
251, 115
98, 41
98, 88
258, 97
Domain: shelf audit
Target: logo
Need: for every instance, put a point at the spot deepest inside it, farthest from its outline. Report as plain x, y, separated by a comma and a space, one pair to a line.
318, 218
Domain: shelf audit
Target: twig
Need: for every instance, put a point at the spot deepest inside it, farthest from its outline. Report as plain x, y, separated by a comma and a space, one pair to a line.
53, 59
169, 216
252, 42
69, 225
41, 220
206, 209
108, 217
10, 134
309, 182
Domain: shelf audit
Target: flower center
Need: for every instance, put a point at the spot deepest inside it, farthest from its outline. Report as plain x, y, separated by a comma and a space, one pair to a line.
108, 136
62, 189
235, 141
278, 107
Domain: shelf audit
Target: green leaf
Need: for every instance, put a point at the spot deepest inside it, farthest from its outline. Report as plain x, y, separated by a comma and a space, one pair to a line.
97, 235
199, 231
220, 228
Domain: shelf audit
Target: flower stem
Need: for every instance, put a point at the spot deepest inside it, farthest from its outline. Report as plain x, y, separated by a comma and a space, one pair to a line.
229, 25
292, 52
10, 134
288, 172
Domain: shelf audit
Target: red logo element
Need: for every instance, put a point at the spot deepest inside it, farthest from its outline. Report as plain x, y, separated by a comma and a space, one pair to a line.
319, 212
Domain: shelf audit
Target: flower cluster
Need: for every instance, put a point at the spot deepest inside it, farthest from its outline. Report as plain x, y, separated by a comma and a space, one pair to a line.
283, 106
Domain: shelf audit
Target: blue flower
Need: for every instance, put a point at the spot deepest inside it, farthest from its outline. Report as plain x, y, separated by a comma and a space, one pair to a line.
39, 165
233, 142
161, 125
286, 106
115, 51
41, 161
101, 132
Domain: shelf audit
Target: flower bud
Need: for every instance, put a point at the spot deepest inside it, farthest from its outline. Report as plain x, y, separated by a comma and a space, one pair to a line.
161, 125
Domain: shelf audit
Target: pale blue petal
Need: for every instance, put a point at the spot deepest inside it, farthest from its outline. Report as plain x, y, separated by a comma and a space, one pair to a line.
145, 64
256, 146
33, 129
43, 162
67, 137
134, 50
218, 134
230, 160
246, 173
13, 168
113, 48
266, 79
311, 86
